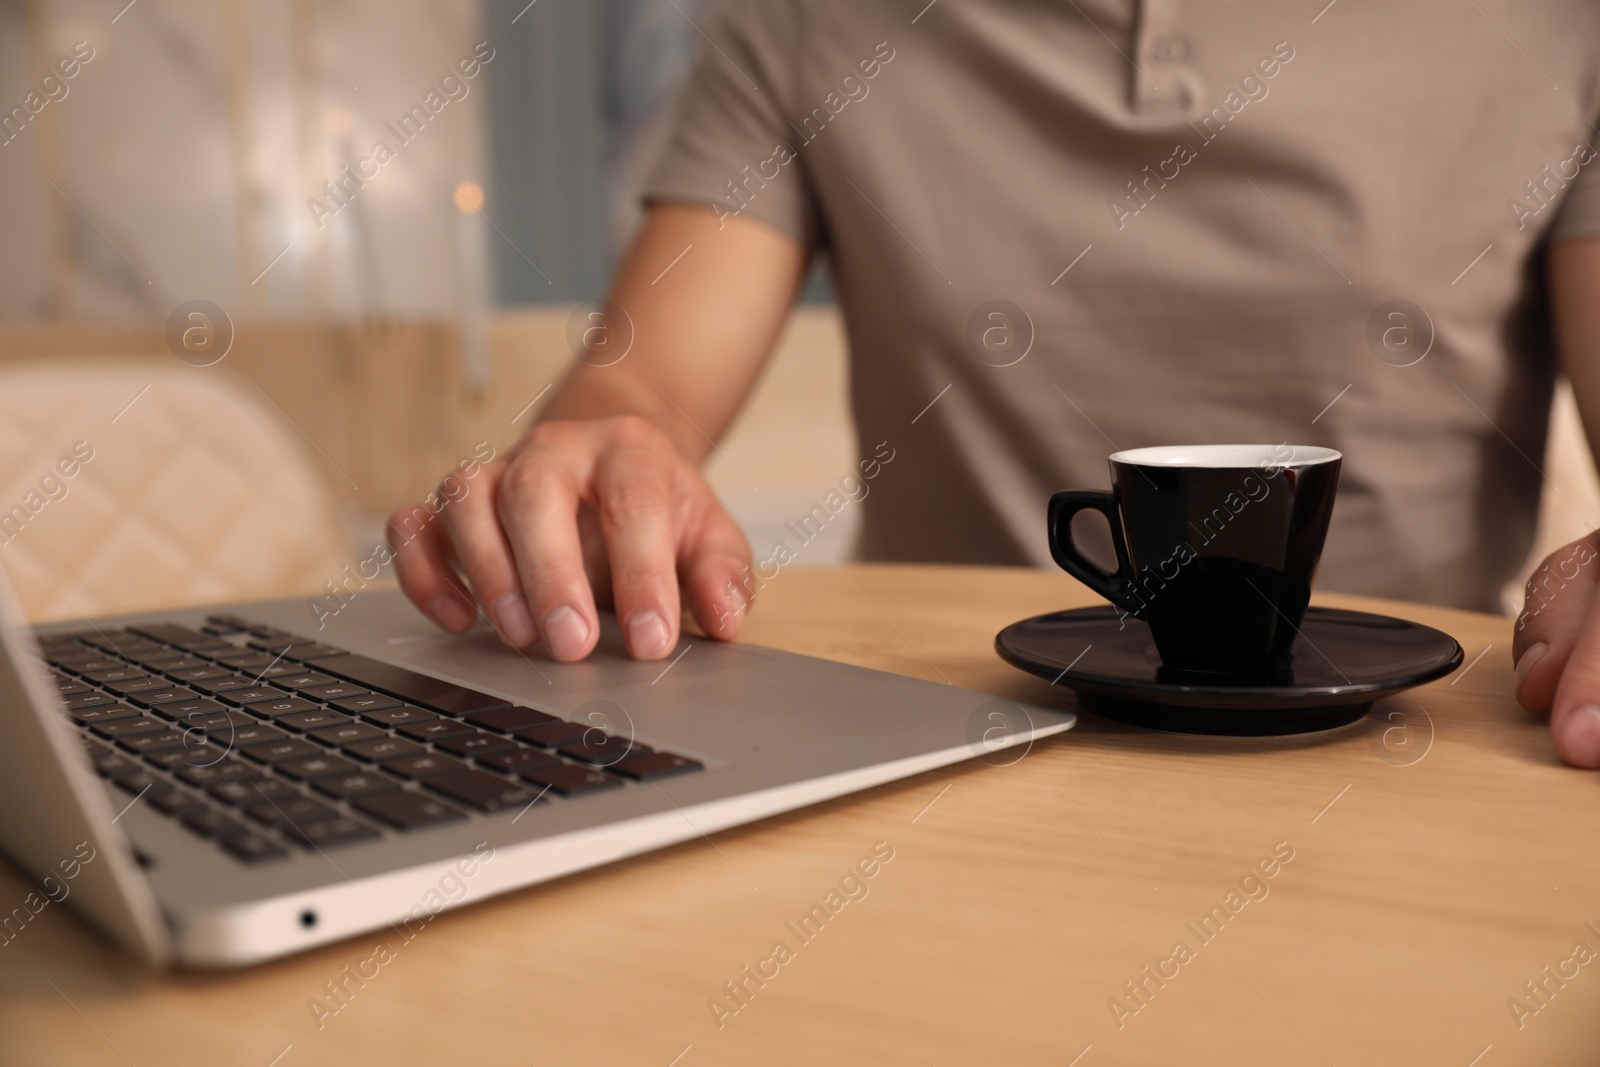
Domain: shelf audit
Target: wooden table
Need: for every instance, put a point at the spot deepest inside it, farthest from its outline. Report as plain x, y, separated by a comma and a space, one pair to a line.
1441, 859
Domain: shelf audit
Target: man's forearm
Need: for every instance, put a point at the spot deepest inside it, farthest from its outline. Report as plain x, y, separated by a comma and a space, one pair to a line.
1575, 314
697, 309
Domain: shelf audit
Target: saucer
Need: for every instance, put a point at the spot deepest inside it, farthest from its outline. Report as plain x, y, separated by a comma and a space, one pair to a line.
1339, 664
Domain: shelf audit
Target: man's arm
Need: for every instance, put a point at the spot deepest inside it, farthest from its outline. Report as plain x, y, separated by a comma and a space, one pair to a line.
604, 493
1557, 643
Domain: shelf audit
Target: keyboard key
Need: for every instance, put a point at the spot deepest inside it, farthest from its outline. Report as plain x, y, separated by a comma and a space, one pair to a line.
253, 848
253, 734
108, 763
282, 705
311, 652
238, 792
138, 780
378, 749
433, 729
287, 812
223, 725
122, 672
196, 674
648, 765
269, 669
276, 643
130, 687
370, 702
344, 735
227, 770
195, 752
177, 709
239, 657
512, 761
338, 831
567, 779
169, 660
210, 822
474, 744
424, 766
306, 721
72, 689
304, 679
481, 790
153, 742
252, 695
174, 801
171, 633
150, 699
290, 748
601, 749
433, 693
555, 733
350, 786
102, 712
87, 700
95, 665
262, 630
318, 766
409, 811
508, 720
332, 691
211, 648
217, 686
400, 716
116, 728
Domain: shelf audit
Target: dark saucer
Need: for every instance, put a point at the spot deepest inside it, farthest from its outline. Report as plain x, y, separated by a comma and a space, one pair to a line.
1341, 662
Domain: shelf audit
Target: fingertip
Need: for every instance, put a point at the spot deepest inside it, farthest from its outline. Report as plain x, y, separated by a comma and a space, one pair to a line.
1536, 688
1577, 736
649, 634
567, 633
451, 613
720, 604
512, 620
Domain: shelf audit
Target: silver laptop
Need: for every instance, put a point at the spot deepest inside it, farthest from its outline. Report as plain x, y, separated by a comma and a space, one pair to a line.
215, 788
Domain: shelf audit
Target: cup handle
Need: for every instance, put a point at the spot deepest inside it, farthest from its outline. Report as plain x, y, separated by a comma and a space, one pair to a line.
1115, 587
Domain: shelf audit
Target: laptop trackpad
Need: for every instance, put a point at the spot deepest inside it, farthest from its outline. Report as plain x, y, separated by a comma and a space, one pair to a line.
481, 655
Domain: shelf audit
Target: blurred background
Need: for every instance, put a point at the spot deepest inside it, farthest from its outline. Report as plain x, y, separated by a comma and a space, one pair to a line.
271, 335
198, 162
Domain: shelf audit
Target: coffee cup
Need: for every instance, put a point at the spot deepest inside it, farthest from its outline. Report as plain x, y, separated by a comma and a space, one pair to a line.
1216, 547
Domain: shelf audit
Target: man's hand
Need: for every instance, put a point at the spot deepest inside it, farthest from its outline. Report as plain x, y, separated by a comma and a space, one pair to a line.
602, 502
1557, 649
581, 510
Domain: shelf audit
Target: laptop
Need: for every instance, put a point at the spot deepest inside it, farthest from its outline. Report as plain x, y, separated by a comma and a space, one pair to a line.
215, 788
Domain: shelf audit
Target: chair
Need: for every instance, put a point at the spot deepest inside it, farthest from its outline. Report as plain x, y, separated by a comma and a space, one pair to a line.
132, 485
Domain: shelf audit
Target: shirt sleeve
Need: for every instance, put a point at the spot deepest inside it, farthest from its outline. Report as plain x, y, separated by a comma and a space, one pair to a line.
731, 146
1580, 209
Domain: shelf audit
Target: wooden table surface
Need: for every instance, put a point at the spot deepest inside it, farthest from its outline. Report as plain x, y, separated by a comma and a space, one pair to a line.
1441, 859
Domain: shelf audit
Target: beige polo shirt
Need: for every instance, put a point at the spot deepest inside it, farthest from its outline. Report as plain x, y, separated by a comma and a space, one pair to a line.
1064, 227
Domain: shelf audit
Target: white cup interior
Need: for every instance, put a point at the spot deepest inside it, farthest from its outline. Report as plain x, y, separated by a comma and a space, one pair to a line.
1227, 456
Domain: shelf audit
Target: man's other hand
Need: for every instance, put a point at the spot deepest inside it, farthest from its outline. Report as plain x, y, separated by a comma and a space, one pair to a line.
1557, 649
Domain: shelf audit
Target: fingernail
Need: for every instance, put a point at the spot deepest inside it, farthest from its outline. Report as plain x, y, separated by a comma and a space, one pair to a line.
1580, 736
451, 613
1530, 659
566, 633
648, 637
511, 618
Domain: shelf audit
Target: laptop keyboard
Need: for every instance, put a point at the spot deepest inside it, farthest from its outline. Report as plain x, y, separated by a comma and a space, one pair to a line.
266, 742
